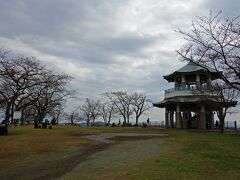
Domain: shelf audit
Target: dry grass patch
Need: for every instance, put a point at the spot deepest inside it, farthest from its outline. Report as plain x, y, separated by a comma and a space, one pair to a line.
24, 142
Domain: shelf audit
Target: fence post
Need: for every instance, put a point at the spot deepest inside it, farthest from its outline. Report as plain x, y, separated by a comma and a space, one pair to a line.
235, 125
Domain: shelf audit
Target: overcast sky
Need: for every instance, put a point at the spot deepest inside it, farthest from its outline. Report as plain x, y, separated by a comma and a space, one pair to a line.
106, 45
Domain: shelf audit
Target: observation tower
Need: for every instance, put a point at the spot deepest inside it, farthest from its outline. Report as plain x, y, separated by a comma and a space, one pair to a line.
191, 104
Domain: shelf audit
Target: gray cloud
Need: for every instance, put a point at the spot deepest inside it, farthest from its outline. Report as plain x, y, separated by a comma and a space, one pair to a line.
105, 45
230, 8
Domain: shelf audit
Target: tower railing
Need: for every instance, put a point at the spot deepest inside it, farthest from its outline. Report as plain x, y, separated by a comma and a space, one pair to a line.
188, 88
184, 90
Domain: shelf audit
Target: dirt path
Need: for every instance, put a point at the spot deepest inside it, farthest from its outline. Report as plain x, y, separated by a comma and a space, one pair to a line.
109, 138
49, 165
127, 149
107, 153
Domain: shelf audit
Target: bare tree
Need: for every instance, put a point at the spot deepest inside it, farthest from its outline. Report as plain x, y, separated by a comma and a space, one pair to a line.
74, 115
140, 105
90, 110
214, 42
51, 94
222, 97
122, 101
226, 97
56, 113
85, 113
16, 77
108, 111
27, 85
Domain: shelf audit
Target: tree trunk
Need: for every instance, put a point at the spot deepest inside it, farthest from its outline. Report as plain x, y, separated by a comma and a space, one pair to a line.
38, 119
22, 116
41, 117
109, 121
36, 122
124, 120
128, 120
7, 114
221, 119
71, 120
136, 123
12, 114
105, 121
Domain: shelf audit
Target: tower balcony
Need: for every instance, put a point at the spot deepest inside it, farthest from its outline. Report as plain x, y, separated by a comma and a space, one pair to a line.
188, 91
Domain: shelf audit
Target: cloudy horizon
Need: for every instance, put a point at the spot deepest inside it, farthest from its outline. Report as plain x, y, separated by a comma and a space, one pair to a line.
105, 45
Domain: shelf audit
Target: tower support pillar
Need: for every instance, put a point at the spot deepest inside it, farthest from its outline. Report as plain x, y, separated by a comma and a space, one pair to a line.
171, 119
166, 118
178, 117
202, 121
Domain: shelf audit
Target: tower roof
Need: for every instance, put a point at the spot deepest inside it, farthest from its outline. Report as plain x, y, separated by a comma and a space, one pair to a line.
192, 68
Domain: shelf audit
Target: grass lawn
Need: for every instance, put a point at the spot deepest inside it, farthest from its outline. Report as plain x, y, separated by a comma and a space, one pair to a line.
63, 153
194, 155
